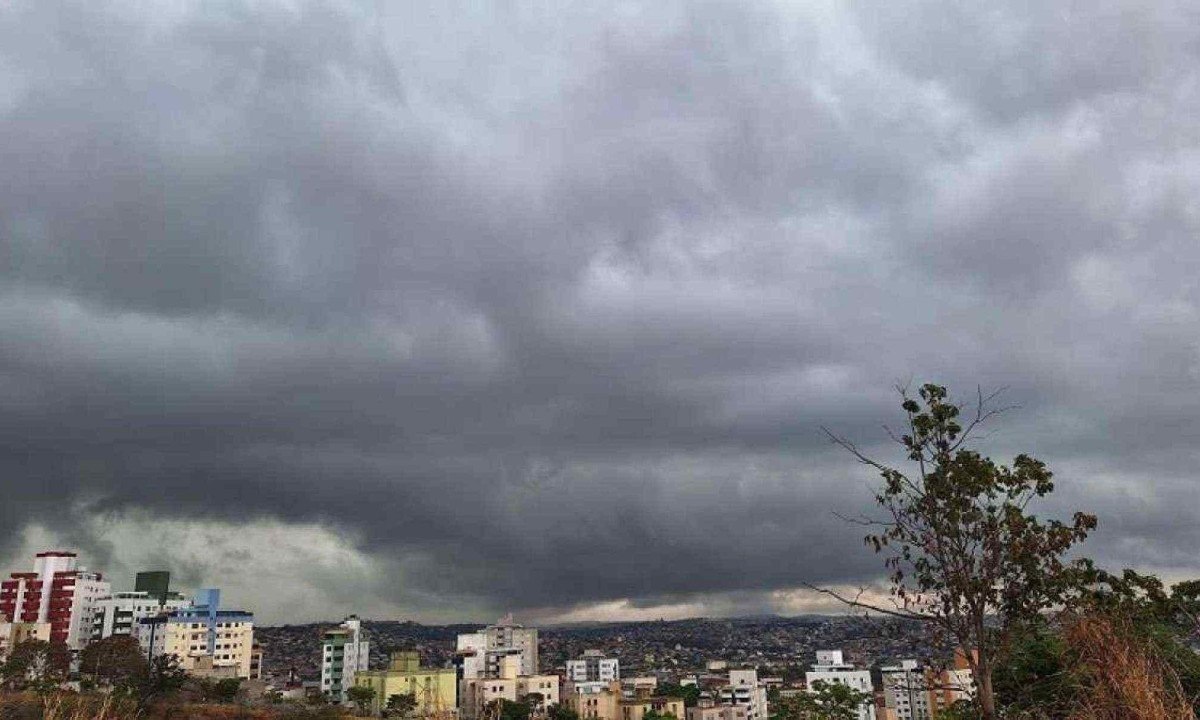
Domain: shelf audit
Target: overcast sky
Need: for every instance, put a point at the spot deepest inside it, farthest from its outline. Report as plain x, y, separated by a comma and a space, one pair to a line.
439, 312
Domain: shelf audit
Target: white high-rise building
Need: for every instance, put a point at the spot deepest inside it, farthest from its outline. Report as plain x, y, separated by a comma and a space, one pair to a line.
482, 651
57, 592
906, 691
593, 672
344, 652
831, 667
745, 690
120, 613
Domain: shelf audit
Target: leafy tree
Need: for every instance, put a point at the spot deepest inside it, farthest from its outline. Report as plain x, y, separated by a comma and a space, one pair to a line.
507, 710
823, 701
225, 690
653, 714
689, 693
401, 703
963, 553
362, 696
36, 664
560, 711
162, 677
115, 661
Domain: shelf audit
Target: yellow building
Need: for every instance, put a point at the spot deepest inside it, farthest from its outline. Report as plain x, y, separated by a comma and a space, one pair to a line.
598, 705
13, 634
435, 690
479, 693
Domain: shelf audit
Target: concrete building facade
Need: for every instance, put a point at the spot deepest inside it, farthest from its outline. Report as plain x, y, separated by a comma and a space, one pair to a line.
434, 689
831, 667
905, 691
345, 651
746, 691
208, 640
509, 684
592, 672
57, 592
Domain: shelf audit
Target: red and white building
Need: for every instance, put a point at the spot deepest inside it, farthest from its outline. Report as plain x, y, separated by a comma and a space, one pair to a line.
57, 592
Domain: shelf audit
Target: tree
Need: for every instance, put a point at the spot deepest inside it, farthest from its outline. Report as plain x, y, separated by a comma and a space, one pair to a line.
36, 664
162, 677
823, 701
653, 714
115, 661
560, 711
401, 704
362, 696
963, 553
508, 710
689, 693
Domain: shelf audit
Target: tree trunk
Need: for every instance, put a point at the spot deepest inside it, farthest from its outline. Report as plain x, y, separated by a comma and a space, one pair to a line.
983, 686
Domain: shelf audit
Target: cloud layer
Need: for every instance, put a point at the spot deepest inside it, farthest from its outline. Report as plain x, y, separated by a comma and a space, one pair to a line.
542, 309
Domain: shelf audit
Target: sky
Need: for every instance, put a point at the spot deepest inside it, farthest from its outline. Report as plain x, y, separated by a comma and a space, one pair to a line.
440, 310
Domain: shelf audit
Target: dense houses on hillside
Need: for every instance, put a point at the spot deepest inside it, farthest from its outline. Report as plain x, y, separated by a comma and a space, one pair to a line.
687, 670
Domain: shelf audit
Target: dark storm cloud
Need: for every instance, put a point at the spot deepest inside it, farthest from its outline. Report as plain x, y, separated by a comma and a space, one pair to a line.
544, 309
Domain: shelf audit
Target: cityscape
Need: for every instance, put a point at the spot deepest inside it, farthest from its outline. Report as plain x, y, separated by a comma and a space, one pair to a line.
729, 669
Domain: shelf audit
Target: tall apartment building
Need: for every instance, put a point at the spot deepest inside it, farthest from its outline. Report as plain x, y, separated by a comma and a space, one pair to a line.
831, 667
344, 652
121, 612
951, 685
706, 709
208, 641
481, 652
744, 690
58, 592
906, 692
592, 672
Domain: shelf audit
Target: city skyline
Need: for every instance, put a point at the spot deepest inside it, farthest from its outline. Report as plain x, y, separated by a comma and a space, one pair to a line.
351, 307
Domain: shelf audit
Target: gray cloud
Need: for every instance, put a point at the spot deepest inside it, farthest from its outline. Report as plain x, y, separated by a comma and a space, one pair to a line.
543, 310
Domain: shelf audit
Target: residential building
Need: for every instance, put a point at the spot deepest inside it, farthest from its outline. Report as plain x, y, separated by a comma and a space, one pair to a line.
13, 634
951, 684
435, 689
256, 661
636, 708
745, 690
508, 684
905, 692
831, 667
120, 613
58, 592
594, 704
208, 641
593, 672
640, 686
706, 709
481, 652
344, 652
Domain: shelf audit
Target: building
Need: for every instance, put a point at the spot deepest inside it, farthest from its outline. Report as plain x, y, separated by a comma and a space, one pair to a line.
509, 684
593, 672
636, 708
481, 652
640, 686
594, 704
120, 613
344, 652
57, 592
709, 710
256, 661
208, 640
13, 634
831, 667
951, 684
905, 692
746, 691
435, 689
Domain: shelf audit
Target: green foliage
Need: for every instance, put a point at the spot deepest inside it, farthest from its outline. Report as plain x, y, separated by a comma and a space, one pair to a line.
653, 714
508, 710
36, 665
162, 677
823, 701
401, 704
962, 550
561, 712
689, 693
362, 696
116, 662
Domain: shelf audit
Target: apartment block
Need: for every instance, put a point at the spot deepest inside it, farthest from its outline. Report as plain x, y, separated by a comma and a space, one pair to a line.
13, 634
121, 612
57, 592
831, 667
906, 692
209, 641
435, 689
745, 690
592, 672
509, 684
344, 652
